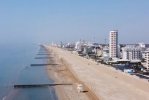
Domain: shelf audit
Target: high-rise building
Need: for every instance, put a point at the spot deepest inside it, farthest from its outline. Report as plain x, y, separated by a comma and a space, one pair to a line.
113, 44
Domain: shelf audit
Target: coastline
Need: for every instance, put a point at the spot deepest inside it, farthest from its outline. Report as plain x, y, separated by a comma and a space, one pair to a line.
106, 82
60, 74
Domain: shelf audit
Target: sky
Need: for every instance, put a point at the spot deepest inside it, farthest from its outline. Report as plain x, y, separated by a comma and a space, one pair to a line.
41, 21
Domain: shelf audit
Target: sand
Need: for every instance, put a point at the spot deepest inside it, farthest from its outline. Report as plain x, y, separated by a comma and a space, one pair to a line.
61, 74
103, 81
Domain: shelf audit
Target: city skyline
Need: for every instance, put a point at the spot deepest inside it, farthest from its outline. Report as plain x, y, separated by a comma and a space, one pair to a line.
48, 20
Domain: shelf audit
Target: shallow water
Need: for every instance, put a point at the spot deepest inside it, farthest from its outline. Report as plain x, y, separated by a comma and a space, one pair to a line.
15, 69
42, 93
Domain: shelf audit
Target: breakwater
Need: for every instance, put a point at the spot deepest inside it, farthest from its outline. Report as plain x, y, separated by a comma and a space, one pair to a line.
33, 78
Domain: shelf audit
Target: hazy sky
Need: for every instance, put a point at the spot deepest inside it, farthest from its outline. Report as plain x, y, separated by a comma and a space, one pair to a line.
30, 21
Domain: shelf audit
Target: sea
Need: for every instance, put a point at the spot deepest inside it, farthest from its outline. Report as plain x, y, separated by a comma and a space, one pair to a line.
16, 69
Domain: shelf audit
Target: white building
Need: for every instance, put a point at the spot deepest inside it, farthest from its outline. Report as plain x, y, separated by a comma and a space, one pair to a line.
113, 44
146, 57
119, 52
131, 53
142, 45
79, 45
105, 51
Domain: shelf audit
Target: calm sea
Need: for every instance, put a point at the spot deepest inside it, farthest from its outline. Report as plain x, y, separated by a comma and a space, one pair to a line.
15, 69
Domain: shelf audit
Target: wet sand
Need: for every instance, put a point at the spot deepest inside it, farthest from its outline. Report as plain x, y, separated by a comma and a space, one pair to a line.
61, 74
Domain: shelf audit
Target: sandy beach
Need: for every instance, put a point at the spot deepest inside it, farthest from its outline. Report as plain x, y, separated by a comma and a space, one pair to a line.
102, 81
61, 74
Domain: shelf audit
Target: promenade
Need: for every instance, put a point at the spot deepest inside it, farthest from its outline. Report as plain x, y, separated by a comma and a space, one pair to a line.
105, 82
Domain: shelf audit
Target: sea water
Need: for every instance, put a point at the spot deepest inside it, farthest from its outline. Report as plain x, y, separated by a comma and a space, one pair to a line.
15, 69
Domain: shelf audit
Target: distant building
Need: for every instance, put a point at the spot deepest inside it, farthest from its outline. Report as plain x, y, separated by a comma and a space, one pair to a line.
105, 51
113, 44
105, 54
119, 52
142, 45
79, 45
131, 53
146, 58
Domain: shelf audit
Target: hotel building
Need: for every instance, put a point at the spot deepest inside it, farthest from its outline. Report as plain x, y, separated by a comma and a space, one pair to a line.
146, 57
132, 53
113, 44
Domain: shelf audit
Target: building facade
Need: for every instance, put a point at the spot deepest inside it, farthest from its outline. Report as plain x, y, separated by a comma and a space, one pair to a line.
146, 57
132, 53
113, 44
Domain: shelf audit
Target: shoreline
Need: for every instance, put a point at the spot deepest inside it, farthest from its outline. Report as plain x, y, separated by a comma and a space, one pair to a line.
61, 73
106, 82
